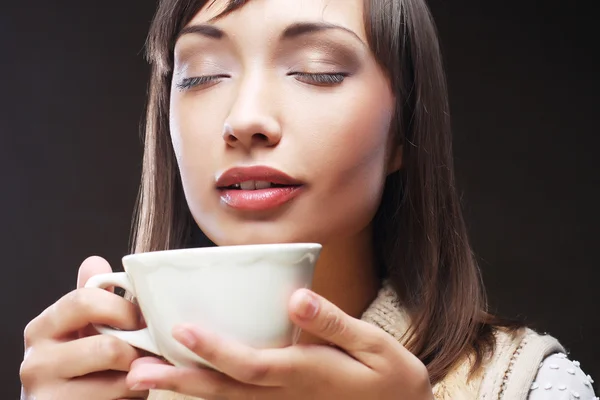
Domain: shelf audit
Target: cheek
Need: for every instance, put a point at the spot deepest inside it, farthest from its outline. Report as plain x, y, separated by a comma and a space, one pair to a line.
195, 135
345, 142
195, 138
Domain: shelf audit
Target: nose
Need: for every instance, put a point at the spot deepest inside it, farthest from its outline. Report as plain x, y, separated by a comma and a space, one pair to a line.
252, 121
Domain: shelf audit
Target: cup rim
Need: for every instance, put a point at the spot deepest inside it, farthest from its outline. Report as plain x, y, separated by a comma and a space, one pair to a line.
231, 249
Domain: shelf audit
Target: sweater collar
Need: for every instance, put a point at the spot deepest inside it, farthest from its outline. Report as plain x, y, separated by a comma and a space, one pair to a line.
386, 313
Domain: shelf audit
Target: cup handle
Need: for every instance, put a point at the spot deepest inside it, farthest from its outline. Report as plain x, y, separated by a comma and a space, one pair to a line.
140, 338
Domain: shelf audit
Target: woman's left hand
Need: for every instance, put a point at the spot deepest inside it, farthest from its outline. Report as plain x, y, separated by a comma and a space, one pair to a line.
364, 362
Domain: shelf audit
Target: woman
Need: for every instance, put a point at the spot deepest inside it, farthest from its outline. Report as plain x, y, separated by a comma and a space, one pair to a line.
329, 119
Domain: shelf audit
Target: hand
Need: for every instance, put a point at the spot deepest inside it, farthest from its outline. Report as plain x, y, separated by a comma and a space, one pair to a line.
366, 364
65, 358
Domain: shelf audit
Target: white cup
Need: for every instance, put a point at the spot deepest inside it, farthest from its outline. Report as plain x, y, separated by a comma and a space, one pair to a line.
239, 292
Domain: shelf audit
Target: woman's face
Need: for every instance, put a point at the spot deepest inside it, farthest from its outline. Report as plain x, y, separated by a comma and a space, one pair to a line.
280, 120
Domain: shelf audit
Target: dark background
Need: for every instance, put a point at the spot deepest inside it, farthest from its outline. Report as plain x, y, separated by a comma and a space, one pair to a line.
524, 99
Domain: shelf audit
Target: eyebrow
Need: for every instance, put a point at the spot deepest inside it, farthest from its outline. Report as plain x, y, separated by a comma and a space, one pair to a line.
291, 32
208, 31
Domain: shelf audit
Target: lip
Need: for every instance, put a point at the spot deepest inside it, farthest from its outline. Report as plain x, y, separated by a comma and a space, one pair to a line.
238, 175
257, 199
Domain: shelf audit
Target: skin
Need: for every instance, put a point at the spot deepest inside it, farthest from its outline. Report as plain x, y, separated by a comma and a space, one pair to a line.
333, 137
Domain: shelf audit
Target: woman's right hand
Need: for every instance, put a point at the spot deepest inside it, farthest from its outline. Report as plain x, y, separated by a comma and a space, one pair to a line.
66, 359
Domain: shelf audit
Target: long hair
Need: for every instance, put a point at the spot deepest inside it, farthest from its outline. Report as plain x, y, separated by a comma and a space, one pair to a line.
419, 232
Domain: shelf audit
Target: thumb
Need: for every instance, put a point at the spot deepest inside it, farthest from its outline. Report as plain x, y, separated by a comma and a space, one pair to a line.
318, 316
91, 266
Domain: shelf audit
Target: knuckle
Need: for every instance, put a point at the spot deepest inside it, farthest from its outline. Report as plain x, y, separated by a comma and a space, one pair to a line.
26, 372
111, 349
379, 342
28, 333
376, 347
209, 353
255, 372
77, 299
333, 325
420, 374
31, 368
416, 380
37, 327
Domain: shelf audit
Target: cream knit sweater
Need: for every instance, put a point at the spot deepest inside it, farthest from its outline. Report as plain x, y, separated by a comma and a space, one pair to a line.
508, 375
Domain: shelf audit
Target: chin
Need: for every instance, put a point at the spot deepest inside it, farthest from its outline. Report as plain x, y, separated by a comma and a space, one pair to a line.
257, 239
263, 235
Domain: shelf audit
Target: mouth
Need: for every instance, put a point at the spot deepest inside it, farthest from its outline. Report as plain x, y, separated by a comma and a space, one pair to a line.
254, 178
257, 188
254, 185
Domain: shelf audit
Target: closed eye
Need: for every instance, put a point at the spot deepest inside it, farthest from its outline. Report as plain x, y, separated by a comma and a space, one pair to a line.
320, 79
199, 81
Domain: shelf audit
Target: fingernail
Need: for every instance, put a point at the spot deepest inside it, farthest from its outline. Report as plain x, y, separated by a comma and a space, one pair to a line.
309, 306
185, 337
143, 386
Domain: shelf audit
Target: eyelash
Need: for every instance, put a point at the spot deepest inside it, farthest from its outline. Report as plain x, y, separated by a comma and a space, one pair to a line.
319, 79
189, 83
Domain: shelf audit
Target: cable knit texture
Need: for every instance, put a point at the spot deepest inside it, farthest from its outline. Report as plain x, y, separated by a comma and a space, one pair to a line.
509, 374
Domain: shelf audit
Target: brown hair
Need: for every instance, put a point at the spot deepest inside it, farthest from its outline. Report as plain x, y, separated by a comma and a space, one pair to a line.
420, 235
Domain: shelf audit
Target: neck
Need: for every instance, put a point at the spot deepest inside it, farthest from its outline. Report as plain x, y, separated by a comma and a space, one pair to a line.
345, 274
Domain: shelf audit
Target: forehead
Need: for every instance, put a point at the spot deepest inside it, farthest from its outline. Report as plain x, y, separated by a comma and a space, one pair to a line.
280, 13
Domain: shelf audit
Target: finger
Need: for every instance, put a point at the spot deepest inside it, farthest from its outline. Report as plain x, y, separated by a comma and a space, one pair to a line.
261, 367
91, 354
78, 358
146, 361
198, 382
314, 314
91, 266
77, 309
102, 386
